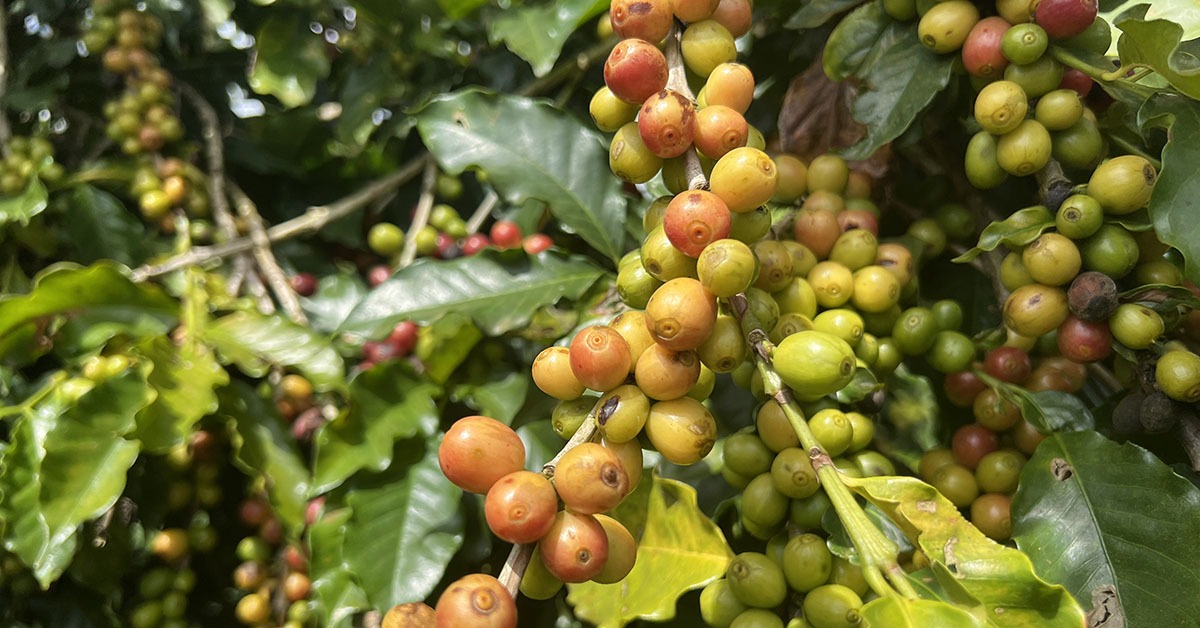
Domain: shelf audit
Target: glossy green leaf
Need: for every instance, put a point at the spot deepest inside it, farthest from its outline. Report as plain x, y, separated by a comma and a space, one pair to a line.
255, 342
529, 149
1020, 228
899, 79
898, 612
499, 291
21, 207
679, 549
999, 578
537, 33
912, 408
814, 13
334, 299
839, 539
849, 43
100, 227
336, 595
386, 403
263, 447
67, 464
103, 289
456, 9
1157, 43
1050, 410
186, 378
1128, 516
1175, 202
405, 527
289, 60
444, 345
499, 396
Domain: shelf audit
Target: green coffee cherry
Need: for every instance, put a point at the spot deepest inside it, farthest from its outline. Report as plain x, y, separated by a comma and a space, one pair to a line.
756, 580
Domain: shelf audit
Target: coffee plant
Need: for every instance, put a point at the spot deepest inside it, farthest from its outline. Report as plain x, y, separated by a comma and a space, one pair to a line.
734, 313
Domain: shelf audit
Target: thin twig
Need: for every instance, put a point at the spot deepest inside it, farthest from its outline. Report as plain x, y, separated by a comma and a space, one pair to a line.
5, 130
312, 220
481, 213
276, 278
214, 151
421, 216
677, 82
255, 287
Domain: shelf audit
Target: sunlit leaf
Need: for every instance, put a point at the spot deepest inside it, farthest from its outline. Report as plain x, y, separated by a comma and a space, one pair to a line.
289, 59
255, 342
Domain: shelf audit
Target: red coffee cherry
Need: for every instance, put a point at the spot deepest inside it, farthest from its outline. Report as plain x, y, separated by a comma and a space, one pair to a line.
576, 547
667, 124
635, 70
520, 506
600, 358
506, 234
971, 443
695, 219
1010, 364
477, 451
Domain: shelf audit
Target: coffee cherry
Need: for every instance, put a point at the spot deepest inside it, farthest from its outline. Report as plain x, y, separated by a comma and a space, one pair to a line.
505, 234
957, 484
520, 506
1079, 146
632, 327
1083, 341
664, 374
1035, 309
833, 606
945, 26
1079, 216
253, 609
971, 443
763, 504
981, 51
1177, 373
622, 551
630, 454
629, 158
992, 514
538, 583
994, 411
170, 544
477, 451
682, 430
1024, 43
729, 85
705, 45
1025, 149
476, 600
662, 260
1136, 326
553, 375
695, 219
726, 267
1000, 107
610, 113
410, 615
1065, 18
385, 239
719, 129
962, 388
744, 178
599, 358
635, 70
296, 586
666, 123
1123, 184
814, 364
982, 168
1009, 364
756, 580
590, 479
793, 474
1111, 250
535, 243
576, 547
681, 314
832, 283
854, 248
932, 461
718, 605
999, 471
642, 19
1092, 296
1052, 259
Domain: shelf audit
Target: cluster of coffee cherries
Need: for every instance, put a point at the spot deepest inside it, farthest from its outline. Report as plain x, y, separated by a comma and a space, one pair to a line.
161, 185
574, 544
261, 575
27, 158
297, 406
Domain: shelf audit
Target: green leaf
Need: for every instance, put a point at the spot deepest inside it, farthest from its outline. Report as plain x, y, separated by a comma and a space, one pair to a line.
854, 37
499, 396
529, 149
405, 527
898, 612
912, 408
1175, 202
255, 342
289, 60
1127, 514
814, 13
21, 207
102, 289
499, 291
457, 9
1020, 228
537, 33
899, 78
186, 378
101, 227
335, 298
679, 549
386, 403
337, 596
67, 464
444, 345
839, 541
1158, 44
996, 577
263, 447
1049, 410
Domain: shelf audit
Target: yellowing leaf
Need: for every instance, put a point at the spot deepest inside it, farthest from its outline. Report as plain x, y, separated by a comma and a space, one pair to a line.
680, 549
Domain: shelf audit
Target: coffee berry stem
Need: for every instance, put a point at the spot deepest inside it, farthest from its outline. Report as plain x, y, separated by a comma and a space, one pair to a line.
877, 552
518, 558
677, 82
1065, 57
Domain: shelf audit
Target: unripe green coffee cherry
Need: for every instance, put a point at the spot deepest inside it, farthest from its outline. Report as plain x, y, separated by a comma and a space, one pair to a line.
610, 113
854, 249
946, 25
718, 605
1136, 326
705, 45
629, 158
1037, 78
1024, 43
1079, 216
1035, 309
1123, 184
951, 352
1112, 250
726, 267
1059, 110
1079, 146
1178, 375
1052, 259
623, 412
828, 173
1000, 107
843, 323
833, 430
788, 324
807, 562
793, 473
814, 364
983, 170
833, 606
1024, 150
756, 580
876, 289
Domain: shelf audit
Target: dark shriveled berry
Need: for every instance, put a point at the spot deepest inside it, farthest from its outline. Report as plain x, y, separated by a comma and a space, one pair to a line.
1092, 296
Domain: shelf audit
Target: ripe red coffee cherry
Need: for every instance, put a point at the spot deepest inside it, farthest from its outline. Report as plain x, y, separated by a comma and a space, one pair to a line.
305, 284
600, 358
971, 443
590, 479
506, 234
536, 243
378, 274
1083, 341
477, 451
849, 219
719, 129
635, 70
476, 600
735, 15
520, 506
641, 19
576, 547
817, 229
1010, 364
963, 387
981, 52
474, 243
1076, 80
1064, 18
681, 313
695, 219
667, 123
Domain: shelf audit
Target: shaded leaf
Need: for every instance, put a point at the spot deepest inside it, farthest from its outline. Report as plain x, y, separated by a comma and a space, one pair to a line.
255, 342
1175, 202
839, 542
405, 527
100, 227
900, 78
500, 292
186, 378
1127, 513
444, 345
1020, 228
816, 12
21, 207
537, 33
66, 464
288, 60
500, 396
1158, 44
386, 403
679, 549
849, 43
1048, 410
529, 149
541, 443
263, 447
334, 299
998, 578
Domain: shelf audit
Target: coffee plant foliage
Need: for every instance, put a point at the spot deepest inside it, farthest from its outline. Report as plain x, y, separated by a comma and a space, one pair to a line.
256, 259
